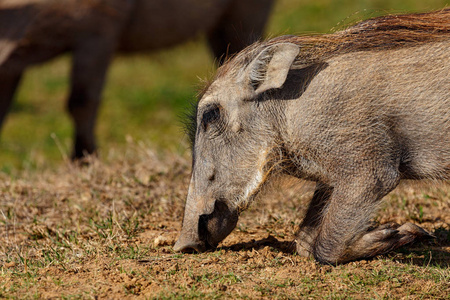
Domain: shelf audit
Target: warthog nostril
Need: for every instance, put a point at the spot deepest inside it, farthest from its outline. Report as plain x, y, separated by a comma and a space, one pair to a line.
190, 242
212, 177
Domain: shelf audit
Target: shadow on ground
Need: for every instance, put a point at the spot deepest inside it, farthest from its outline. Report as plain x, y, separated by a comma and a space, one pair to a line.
287, 247
426, 253
434, 252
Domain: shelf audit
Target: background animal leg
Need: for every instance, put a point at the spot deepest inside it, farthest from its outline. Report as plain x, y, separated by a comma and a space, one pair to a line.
242, 25
310, 224
8, 86
90, 64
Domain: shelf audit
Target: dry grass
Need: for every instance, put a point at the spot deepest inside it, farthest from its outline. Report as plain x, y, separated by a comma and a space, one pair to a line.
106, 231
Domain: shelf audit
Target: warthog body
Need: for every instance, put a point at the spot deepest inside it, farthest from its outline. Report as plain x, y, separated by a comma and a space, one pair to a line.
34, 31
356, 111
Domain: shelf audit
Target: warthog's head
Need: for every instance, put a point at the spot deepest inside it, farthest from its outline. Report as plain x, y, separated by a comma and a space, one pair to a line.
237, 132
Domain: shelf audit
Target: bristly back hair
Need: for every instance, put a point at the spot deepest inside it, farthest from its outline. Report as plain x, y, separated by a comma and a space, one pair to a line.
380, 33
375, 34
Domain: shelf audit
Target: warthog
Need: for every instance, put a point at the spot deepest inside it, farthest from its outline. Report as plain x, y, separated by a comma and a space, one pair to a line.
34, 31
355, 111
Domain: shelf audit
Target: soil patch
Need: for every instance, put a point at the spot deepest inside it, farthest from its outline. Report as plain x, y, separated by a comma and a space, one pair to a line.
106, 231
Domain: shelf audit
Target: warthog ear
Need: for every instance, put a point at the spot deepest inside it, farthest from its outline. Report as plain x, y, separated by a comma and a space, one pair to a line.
270, 68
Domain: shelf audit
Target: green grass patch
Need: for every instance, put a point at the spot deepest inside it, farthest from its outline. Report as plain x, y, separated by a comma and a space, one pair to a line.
145, 95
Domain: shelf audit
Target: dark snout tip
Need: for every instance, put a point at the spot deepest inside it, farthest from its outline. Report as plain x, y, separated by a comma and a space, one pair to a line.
189, 247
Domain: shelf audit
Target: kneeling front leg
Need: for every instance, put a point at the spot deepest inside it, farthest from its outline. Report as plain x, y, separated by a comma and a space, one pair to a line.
310, 226
343, 231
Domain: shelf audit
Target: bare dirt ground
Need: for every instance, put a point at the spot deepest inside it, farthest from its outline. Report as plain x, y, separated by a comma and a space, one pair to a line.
106, 231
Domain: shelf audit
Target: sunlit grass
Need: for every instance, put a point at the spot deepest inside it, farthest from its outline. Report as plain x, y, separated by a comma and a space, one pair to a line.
145, 95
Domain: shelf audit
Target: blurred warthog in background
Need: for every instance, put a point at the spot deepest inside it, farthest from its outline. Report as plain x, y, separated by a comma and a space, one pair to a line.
355, 111
34, 31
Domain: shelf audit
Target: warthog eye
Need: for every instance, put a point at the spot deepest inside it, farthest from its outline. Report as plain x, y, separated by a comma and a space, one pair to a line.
211, 115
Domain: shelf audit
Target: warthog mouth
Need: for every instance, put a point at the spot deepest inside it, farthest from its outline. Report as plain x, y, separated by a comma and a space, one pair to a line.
211, 230
203, 234
201, 244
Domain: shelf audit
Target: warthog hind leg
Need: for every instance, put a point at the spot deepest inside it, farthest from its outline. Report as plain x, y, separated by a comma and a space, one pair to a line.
387, 237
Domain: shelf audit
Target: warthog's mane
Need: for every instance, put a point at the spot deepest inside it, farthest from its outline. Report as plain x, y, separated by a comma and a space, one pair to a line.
376, 34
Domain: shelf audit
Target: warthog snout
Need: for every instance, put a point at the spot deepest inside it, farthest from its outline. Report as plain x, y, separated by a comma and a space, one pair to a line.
212, 228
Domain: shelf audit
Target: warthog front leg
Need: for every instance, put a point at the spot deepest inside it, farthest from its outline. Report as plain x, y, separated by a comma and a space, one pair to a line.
311, 222
340, 231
